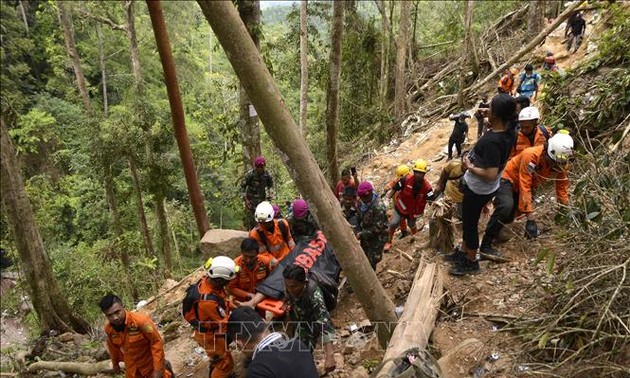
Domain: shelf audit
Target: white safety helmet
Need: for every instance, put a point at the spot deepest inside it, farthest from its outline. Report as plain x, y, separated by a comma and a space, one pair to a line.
560, 147
221, 267
529, 113
264, 212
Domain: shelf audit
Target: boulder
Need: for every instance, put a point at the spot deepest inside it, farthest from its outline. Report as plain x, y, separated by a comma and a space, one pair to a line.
222, 242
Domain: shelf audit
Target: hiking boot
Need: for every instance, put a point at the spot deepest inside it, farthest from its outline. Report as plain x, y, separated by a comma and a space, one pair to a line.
456, 256
465, 267
491, 254
403, 234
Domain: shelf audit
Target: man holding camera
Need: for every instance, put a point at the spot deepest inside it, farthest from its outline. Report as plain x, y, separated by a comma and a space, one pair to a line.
349, 178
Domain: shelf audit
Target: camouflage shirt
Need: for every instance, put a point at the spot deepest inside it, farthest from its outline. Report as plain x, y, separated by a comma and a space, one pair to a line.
372, 219
303, 229
254, 187
311, 316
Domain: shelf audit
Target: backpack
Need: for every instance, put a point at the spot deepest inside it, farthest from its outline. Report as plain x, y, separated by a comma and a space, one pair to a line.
328, 286
283, 229
528, 84
190, 305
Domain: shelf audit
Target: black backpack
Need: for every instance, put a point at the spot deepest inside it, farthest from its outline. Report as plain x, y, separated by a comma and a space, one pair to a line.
190, 305
328, 286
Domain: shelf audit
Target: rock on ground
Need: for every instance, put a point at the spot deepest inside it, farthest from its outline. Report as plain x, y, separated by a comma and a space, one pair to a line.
222, 242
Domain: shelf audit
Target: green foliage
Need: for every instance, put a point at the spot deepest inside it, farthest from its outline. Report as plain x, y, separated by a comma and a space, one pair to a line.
36, 129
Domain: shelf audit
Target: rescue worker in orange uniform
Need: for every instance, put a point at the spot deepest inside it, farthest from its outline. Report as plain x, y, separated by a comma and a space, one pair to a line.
531, 133
506, 83
273, 235
522, 174
253, 268
414, 190
402, 171
211, 312
133, 338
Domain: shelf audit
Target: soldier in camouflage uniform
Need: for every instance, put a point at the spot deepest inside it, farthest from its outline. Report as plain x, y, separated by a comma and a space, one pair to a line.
349, 207
257, 186
373, 225
302, 222
307, 310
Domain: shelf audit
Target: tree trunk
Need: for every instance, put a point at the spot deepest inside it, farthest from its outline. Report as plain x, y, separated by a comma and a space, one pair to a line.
82, 368
101, 60
263, 92
332, 91
400, 93
142, 218
527, 48
303, 66
66, 25
165, 240
249, 11
418, 319
468, 50
535, 17
133, 44
386, 31
177, 113
414, 43
23, 13
165, 244
49, 303
110, 195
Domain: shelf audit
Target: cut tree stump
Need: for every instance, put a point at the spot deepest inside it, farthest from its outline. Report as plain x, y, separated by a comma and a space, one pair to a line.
418, 319
83, 368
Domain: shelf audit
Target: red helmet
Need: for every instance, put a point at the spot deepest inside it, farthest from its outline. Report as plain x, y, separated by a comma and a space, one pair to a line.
300, 208
364, 188
259, 161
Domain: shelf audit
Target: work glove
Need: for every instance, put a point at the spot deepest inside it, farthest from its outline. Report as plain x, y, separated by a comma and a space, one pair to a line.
531, 230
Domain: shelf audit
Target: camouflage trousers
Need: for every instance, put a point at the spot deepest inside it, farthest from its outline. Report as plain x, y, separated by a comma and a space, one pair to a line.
374, 251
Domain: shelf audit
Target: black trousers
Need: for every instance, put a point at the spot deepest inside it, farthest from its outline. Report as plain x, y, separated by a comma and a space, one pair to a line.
471, 212
458, 145
480, 127
505, 205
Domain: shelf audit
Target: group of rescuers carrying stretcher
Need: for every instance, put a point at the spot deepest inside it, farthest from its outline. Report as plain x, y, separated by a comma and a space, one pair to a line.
514, 155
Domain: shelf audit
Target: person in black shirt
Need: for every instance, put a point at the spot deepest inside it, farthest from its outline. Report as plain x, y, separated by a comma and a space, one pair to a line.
273, 354
484, 165
460, 129
578, 26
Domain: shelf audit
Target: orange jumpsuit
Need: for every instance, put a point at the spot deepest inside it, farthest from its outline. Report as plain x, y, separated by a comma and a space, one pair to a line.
523, 141
527, 171
506, 84
139, 346
275, 243
247, 279
213, 323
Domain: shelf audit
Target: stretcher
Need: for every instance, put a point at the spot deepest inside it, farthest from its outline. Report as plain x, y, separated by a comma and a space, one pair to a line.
275, 306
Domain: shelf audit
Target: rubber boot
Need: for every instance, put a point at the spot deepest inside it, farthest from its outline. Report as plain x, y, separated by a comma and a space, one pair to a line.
388, 245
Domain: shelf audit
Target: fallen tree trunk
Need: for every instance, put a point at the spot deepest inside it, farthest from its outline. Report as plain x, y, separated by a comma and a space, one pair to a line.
83, 368
418, 319
533, 43
300, 162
